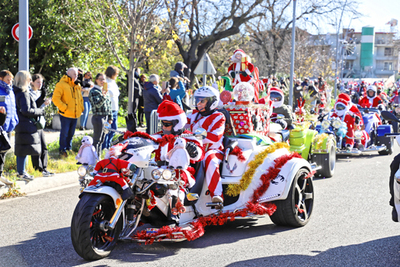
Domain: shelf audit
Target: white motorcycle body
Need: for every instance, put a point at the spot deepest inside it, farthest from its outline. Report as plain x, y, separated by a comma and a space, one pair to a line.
232, 172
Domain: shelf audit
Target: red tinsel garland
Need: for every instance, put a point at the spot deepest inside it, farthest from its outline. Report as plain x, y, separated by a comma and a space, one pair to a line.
271, 174
197, 229
252, 207
237, 151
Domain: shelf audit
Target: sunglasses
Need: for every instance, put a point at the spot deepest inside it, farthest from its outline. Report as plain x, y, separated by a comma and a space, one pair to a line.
166, 123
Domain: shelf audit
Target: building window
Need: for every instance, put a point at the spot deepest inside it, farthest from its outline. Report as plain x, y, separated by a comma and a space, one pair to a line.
388, 52
388, 66
349, 65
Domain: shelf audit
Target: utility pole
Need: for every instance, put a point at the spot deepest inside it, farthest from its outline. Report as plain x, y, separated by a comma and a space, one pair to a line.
23, 48
292, 55
337, 48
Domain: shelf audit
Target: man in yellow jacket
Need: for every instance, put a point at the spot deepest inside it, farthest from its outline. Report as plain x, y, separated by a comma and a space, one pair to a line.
68, 99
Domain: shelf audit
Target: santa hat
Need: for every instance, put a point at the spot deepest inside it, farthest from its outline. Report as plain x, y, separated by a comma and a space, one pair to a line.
245, 57
169, 111
275, 89
342, 101
344, 97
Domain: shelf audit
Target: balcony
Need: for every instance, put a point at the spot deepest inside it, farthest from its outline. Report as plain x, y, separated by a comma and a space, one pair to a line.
387, 58
384, 72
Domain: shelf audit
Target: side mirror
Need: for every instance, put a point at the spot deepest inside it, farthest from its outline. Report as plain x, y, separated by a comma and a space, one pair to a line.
200, 133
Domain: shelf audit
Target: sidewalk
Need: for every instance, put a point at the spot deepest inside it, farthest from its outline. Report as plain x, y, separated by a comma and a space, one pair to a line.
59, 179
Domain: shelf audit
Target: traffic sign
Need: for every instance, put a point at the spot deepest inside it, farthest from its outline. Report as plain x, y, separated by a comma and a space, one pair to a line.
205, 66
15, 32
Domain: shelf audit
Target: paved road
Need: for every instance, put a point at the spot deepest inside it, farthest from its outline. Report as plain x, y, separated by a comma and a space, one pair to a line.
350, 226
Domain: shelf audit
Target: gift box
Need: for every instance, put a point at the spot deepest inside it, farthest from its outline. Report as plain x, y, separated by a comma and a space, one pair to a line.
249, 119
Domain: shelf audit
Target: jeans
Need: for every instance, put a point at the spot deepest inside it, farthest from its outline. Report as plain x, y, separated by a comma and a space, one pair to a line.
108, 138
85, 114
67, 131
21, 162
98, 133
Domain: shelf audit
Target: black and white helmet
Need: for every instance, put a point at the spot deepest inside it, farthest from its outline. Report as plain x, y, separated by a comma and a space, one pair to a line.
211, 94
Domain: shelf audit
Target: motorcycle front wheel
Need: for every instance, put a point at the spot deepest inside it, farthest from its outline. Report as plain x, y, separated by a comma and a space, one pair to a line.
89, 239
296, 209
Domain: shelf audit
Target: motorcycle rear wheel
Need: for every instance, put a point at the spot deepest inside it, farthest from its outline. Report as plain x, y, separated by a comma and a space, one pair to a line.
88, 239
296, 209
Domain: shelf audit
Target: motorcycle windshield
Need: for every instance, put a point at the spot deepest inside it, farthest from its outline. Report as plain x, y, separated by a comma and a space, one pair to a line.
139, 142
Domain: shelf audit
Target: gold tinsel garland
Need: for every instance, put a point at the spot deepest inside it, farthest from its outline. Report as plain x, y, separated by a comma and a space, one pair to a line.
234, 189
320, 140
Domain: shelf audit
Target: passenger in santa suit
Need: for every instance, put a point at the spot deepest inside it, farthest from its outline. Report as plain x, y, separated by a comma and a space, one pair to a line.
371, 100
241, 68
207, 117
353, 109
173, 119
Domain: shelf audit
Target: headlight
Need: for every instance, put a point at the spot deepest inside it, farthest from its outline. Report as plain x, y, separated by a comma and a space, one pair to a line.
167, 174
336, 123
81, 171
325, 125
156, 174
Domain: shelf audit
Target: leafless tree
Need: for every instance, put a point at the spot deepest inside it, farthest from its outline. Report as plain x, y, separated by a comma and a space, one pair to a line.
270, 32
206, 23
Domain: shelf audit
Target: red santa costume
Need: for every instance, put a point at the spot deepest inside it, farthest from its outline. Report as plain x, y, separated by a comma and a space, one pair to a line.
241, 68
370, 101
342, 112
112, 169
353, 109
214, 123
170, 111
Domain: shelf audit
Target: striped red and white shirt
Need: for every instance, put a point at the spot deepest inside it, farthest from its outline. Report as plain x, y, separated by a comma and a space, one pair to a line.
214, 124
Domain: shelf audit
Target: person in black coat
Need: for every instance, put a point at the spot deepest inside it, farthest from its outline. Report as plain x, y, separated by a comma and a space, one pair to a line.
39, 162
27, 138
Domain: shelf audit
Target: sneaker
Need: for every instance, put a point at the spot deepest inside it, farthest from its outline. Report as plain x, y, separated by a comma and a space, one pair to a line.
25, 177
217, 199
46, 173
5, 180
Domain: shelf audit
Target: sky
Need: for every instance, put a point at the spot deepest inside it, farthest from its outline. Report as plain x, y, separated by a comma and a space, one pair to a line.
376, 13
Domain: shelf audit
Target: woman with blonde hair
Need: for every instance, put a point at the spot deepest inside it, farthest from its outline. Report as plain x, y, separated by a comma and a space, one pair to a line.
27, 138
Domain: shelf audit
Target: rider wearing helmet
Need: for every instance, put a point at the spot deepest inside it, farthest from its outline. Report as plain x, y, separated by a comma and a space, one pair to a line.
371, 100
173, 119
277, 98
207, 117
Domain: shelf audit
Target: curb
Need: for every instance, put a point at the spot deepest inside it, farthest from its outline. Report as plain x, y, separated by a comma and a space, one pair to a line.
43, 183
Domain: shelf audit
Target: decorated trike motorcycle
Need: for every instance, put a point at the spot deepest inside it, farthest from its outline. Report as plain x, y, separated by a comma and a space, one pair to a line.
378, 142
259, 177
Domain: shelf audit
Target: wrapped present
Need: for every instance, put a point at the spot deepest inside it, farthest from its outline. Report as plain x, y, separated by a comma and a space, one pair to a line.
249, 119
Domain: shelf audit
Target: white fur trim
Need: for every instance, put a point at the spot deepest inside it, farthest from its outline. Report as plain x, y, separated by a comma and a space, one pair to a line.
181, 118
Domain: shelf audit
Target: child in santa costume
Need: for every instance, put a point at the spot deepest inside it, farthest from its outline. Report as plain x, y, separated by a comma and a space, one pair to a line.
113, 169
241, 68
207, 116
371, 100
173, 119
